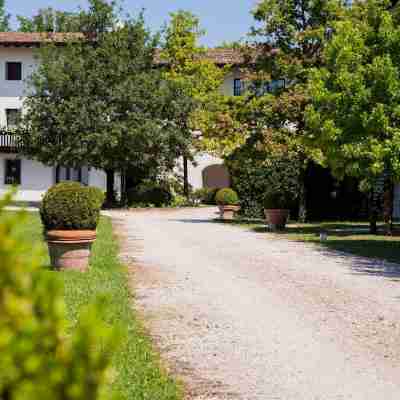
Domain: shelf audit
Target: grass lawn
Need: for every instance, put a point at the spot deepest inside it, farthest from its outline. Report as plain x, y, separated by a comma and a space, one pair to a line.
138, 371
350, 237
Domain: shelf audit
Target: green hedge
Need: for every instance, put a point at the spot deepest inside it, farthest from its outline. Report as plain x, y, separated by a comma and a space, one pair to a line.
40, 357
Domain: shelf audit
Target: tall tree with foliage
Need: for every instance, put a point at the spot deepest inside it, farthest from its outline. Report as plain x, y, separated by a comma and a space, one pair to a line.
264, 167
99, 102
290, 37
187, 67
354, 117
50, 20
4, 17
101, 16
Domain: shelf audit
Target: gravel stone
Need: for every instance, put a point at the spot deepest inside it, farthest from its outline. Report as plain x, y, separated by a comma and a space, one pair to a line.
244, 315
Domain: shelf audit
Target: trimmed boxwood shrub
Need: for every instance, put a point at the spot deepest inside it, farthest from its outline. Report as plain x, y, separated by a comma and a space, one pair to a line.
226, 197
71, 206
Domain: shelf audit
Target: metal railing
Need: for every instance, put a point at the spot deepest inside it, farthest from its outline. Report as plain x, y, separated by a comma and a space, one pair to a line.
9, 142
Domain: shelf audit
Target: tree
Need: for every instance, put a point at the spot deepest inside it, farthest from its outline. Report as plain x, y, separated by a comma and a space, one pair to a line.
268, 164
99, 102
354, 117
100, 17
39, 358
224, 125
50, 20
4, 18
289, 41
187, 67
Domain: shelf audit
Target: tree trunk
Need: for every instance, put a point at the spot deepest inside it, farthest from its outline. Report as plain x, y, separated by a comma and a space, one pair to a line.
124, 189
303, 198
373, 214
186, 177
110, 195
388, 204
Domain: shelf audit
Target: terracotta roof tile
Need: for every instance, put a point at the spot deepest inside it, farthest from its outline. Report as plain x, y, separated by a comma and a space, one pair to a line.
10, 39
219, 56
225, 56
26, 39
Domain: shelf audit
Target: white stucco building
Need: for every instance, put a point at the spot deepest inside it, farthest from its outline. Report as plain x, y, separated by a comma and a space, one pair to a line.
17, 62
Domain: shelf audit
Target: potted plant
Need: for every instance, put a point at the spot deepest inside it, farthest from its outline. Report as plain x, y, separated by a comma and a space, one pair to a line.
228, 203
277, 210
70, 213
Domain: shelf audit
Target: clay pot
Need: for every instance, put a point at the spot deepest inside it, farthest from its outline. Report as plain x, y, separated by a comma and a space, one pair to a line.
227, 213
277, 218
70, 250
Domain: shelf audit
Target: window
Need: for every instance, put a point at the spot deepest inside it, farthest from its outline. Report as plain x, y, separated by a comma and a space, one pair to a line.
13, 117
12, 172
72, 174
13, 71
237, 87
261, 88
276, 85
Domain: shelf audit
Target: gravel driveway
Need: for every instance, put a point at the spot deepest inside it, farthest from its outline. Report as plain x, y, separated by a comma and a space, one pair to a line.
241, 315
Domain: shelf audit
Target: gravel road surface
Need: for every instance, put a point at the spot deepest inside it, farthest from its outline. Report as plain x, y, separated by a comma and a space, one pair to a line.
243, 315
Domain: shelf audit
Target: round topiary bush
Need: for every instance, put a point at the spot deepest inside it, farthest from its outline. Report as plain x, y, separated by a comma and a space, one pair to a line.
227, 197
71, 206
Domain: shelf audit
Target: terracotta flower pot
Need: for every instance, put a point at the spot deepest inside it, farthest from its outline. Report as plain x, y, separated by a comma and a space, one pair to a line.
228, 212
277, 218
70, 250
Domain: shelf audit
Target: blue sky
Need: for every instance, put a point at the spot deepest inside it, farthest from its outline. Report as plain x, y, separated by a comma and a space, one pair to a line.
223, 19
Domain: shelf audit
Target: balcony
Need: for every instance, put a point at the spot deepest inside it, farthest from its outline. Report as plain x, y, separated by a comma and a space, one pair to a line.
9, 142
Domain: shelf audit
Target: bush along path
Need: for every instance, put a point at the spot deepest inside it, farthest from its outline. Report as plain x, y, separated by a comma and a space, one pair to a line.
137, 373
242, 315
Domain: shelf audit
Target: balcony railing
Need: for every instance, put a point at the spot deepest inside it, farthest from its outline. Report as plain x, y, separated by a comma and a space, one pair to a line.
9, 142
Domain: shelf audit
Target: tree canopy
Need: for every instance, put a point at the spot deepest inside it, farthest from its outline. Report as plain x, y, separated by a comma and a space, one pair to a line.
187, 67
354, 116
287, 41
4, 17
49, 20
297, 29
102, 104
100, 16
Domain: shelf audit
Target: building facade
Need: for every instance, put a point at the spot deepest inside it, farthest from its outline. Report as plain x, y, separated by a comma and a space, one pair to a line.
17, 63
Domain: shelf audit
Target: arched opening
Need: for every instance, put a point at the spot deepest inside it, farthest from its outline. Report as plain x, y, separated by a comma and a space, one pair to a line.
216, 176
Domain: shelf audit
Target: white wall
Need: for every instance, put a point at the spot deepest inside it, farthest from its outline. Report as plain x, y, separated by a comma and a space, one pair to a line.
12, 92
98, 179
227, 87
195, 171
36, 178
